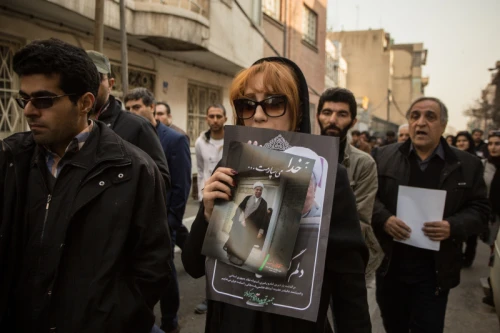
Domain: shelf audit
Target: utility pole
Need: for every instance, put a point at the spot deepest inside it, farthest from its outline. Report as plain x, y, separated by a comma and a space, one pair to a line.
99, 26
123, 31
388, 105
285, 25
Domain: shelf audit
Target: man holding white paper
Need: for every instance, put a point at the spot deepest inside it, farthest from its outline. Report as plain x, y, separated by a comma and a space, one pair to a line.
431, 197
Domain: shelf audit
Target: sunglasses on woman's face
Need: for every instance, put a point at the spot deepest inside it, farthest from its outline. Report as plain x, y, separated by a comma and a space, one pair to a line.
43, 102
273, 106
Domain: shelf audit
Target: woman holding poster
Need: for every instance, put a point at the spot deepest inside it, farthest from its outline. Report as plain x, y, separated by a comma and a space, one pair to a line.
273, 94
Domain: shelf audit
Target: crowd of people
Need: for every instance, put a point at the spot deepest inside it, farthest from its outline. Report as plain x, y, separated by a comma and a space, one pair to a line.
93, 198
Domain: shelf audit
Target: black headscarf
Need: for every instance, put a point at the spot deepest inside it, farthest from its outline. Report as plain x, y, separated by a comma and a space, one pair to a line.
494, 194
471, 149
305, 123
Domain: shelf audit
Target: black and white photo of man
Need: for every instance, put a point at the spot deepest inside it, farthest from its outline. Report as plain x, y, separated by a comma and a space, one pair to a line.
248, 220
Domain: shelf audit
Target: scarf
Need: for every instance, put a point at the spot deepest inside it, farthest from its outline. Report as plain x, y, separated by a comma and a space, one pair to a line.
495, 186
251, 206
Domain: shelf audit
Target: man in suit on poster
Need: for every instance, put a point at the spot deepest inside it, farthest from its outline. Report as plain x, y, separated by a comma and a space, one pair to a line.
247, 225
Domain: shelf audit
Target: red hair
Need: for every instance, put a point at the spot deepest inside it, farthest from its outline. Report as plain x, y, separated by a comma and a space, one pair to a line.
278, 78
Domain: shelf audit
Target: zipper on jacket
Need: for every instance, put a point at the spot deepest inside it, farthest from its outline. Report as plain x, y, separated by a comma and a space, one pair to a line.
47, 206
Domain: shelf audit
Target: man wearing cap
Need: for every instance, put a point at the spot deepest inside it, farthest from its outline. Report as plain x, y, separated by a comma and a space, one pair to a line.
130, 127
248, 222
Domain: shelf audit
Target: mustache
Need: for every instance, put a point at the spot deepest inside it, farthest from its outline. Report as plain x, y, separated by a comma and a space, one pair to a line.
332, 127
324, 130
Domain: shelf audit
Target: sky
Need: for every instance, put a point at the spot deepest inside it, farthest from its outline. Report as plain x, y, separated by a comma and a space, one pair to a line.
462, 39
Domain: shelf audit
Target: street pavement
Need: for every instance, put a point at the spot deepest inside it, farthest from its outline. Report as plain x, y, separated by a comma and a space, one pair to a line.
465, 313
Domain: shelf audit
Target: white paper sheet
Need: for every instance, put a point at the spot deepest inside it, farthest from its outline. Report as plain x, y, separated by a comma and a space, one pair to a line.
417, 206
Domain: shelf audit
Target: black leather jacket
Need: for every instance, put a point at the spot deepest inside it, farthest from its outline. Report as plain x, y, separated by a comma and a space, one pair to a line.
113, 260
139, 132
466, 208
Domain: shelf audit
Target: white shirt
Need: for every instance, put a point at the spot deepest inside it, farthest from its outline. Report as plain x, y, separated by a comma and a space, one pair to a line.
208, 154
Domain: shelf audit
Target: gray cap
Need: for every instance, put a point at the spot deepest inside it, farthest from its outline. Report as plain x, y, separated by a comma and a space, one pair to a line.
100, 61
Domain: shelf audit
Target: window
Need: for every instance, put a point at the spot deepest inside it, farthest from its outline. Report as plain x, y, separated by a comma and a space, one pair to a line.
199, 98
330, 67
136, 78
11, 116
272, 8
309, 26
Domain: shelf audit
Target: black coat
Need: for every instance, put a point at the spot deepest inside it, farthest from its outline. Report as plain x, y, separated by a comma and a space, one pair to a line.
113, 263
466, 208
343, 280
139, 132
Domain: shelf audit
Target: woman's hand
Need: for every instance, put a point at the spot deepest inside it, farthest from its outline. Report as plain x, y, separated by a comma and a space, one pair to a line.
216, 187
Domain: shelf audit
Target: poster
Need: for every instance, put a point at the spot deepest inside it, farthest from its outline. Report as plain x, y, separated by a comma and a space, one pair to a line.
298, 293
269, 194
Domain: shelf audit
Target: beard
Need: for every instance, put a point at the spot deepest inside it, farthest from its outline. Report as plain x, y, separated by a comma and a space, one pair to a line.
335, 131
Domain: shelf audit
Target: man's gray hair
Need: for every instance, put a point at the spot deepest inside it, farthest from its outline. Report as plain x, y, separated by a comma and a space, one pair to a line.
402, 126
444, 110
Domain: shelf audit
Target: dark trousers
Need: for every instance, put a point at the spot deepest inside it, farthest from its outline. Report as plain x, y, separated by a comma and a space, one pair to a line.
170, 300
470, 248
417, 307
181, 235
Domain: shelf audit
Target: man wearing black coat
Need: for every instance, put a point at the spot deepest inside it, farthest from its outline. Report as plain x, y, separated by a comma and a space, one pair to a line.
130, 127
84, 242
413, 283
248, 220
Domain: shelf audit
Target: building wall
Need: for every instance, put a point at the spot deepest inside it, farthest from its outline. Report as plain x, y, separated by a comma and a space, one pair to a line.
231, 34
369, 66
402, 83
275, 33
310, 58
177, 74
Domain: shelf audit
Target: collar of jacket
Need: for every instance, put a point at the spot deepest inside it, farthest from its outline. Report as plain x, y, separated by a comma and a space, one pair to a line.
207, 136
109, 116
347, 152
449, 154
103, 145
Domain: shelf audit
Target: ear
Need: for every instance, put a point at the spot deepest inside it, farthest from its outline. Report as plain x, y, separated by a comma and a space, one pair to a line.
111, 83
354, 122
86, 103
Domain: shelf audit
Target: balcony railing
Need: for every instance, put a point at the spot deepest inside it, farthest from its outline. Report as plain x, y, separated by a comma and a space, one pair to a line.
197, 6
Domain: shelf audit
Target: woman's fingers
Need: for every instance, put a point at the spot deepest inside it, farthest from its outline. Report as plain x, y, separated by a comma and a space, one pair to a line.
215, 187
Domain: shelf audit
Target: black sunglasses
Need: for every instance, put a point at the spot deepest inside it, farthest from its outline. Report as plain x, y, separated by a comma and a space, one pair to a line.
273, 106
44, 102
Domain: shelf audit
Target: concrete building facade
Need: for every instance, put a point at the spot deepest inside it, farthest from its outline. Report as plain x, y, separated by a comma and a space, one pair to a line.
336, 65
388, 75
187, 52
407, 81
187, 55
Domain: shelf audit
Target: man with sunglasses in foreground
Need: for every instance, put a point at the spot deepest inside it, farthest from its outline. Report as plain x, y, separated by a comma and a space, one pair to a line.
413, 283
84, 242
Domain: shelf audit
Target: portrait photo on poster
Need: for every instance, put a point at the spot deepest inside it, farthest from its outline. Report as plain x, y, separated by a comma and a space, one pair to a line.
257, 230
